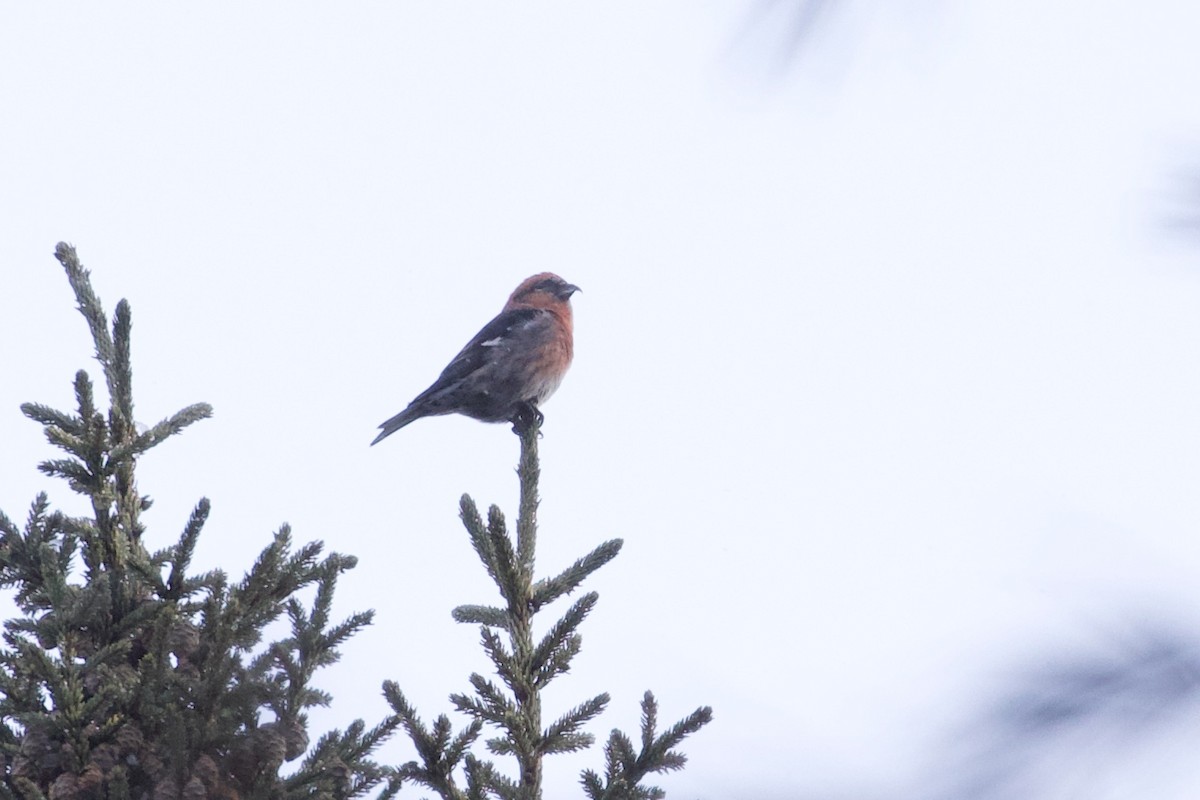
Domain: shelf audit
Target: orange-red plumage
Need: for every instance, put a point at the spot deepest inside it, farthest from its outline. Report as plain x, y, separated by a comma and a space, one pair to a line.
511, 366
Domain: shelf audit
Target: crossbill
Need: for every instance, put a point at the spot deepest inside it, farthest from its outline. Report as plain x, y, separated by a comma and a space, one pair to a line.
510, 367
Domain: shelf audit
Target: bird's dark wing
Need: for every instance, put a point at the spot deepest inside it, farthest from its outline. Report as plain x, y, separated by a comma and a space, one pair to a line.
479, 351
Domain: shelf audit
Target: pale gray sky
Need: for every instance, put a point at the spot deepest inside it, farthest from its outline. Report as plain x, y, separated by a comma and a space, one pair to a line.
886, 369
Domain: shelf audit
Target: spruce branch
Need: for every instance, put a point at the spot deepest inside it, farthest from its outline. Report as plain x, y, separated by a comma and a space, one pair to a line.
501, 658
489, 616
553, 654
440, 754
180, 556
121, 380
85, 397
625, 769
508, 575
478, 533
69, 424
131, 681
525, 667
340, 765
529, 472
546, 591
93, 312
489, 704
563, 736
160, 431
7, 528
75, 445
484, 781
77, 475
37, 560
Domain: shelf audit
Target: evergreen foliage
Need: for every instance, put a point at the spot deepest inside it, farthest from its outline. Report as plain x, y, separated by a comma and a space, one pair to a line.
126, 677
138, 680
525, 666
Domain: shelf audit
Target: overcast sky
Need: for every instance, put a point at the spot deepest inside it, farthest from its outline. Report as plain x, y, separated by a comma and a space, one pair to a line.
886, 356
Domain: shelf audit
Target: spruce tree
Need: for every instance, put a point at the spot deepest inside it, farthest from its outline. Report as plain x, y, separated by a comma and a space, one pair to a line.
525, 665
125, 677
128, 677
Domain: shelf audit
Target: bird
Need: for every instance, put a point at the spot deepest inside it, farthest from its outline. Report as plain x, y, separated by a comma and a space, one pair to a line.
511, 367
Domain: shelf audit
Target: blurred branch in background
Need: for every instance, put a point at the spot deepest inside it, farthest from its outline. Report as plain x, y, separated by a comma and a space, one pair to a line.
796, 21
1184, 218
779, 31
775, 34
1079, 724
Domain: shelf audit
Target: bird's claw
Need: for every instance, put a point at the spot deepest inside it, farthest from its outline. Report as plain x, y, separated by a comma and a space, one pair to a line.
527, 415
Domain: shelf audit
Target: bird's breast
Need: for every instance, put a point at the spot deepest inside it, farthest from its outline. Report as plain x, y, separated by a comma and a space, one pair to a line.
549, 369
546, 386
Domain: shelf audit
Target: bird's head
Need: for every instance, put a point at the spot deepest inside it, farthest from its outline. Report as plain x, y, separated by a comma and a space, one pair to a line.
544, 290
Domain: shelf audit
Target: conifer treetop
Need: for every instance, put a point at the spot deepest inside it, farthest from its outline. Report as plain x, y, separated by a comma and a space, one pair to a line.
525, 665
138, 679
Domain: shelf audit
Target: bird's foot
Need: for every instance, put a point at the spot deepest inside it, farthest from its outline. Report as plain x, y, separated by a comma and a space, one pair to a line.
527, 416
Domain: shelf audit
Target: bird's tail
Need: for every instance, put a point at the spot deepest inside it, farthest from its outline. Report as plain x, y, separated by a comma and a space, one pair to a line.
396, 423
